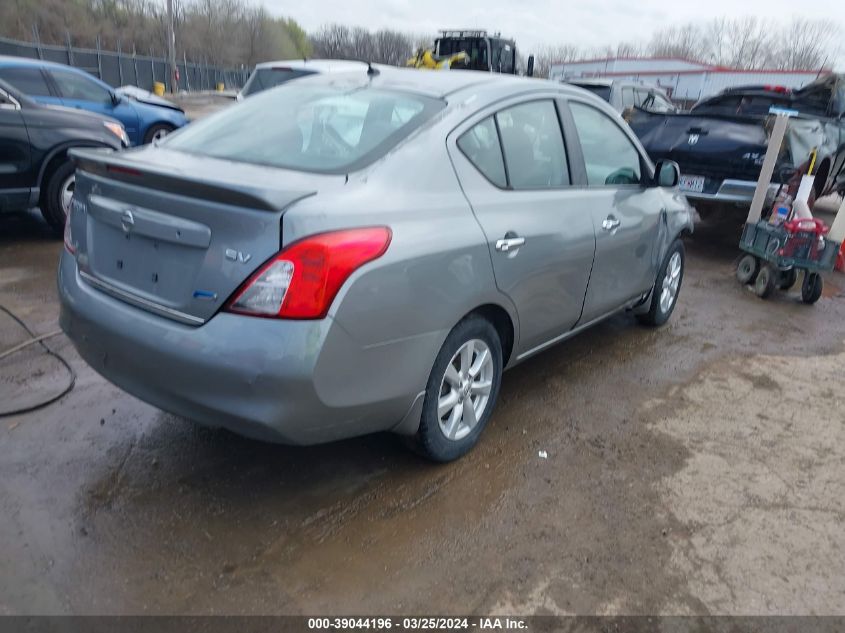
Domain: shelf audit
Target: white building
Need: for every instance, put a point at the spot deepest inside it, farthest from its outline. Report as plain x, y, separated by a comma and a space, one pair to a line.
684, 80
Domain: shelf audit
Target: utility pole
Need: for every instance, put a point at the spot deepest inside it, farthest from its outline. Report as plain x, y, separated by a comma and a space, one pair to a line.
171, 50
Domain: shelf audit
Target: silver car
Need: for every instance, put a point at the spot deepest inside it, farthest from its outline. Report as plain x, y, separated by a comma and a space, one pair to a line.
365, 253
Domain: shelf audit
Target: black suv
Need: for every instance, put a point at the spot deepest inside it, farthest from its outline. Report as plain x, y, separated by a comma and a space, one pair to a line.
35, 169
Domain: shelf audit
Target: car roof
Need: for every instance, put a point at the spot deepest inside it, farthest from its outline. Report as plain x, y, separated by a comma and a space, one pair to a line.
318, 65
591, 82
28, 61
439, 83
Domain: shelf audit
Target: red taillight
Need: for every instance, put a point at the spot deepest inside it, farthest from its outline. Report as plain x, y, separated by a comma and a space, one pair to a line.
302, 280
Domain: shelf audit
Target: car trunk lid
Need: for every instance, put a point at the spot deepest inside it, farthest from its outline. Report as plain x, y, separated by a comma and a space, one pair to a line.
177, 234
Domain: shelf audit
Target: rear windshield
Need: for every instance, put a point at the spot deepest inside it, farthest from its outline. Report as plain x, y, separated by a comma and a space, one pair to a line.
738, 104
320, 128
599, 91
264, 78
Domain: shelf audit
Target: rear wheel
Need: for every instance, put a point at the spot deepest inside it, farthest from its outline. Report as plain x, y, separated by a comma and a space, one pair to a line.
746, 269
811, 289
461, 391
57, 195
765, 283
664, 295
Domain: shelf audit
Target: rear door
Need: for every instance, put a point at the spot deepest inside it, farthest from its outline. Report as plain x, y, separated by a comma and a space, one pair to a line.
15, 155
626, 213
514, 170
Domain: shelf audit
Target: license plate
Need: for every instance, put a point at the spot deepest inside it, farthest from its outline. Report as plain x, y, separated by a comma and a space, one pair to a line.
694, 184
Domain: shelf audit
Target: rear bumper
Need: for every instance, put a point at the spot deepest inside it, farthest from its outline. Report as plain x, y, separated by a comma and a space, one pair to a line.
732, 191
297, 382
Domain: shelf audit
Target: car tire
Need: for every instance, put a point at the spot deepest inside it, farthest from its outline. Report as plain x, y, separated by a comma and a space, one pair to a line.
747, 269
667, 286
55, 198
461, 392
811, 289
765, 282
787, 279
157, 132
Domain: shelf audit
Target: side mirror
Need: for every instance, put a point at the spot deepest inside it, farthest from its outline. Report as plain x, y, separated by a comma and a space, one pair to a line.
667, 174
529, 70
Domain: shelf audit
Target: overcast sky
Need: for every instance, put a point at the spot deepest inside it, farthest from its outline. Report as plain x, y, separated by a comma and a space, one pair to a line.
532, 23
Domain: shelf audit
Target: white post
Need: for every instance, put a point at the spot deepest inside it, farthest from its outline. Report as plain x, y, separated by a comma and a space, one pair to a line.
778, 132
837, 231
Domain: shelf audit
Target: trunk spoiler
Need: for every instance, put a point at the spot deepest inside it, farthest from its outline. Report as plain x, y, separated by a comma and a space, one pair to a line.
115, 166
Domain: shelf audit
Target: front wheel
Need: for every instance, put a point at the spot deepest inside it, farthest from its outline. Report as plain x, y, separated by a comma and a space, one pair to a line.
57, 195
461, 391
157, 132
811, 289
664, 295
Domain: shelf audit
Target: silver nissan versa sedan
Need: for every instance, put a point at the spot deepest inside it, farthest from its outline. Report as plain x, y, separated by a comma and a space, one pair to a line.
348, 254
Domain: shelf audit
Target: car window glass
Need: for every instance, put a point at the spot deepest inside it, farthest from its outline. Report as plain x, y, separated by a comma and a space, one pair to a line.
481, 146
75, 86
659, 104
609, 155
640, 97
322, 128
29, 81
533, 146
627, 97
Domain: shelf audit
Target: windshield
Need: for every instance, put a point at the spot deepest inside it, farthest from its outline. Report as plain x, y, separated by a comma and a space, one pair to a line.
264, 78
322, 128
600, 91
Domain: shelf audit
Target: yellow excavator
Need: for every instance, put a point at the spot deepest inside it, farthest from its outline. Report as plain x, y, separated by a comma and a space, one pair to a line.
470, 50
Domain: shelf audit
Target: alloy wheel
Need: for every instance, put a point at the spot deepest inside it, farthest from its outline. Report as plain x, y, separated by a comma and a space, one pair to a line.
671, 283
465, 389
66, 193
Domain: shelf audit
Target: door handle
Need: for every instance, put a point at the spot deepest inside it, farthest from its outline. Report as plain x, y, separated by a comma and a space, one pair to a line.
506, 244
610, 223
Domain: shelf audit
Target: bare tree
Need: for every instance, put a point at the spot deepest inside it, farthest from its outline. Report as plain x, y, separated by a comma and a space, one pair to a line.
808, 43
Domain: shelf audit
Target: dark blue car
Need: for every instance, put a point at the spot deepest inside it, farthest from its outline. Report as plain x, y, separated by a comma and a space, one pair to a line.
57, 84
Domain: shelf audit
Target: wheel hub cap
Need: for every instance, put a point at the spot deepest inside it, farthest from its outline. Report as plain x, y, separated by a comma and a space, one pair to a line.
465, 389
671, 283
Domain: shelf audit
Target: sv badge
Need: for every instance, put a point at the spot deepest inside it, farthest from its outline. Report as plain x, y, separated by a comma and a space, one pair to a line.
237, 256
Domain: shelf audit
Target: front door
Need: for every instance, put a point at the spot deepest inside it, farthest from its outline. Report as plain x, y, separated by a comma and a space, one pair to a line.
79, 90
513, 168
15, 156
627, 212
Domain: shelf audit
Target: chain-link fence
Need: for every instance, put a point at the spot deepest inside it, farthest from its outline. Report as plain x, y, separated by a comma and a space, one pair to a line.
119, 68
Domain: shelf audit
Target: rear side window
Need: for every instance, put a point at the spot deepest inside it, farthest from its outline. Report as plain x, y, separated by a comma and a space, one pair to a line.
321, 128
609, 155
481, 146
533, 146
79, 87
264, 78
29, 81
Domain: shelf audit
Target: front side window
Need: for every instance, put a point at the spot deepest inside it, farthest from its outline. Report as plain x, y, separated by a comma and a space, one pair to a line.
609, 155
320, 128
29, 80
533, 146
481, 146
79, 87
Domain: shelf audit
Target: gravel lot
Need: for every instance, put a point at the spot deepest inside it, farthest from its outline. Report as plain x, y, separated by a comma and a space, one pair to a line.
698, 468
